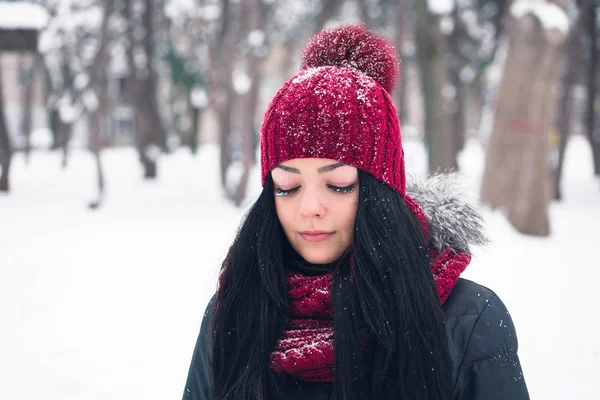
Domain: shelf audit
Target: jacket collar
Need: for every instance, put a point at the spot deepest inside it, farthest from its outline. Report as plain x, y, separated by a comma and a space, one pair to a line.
454, 222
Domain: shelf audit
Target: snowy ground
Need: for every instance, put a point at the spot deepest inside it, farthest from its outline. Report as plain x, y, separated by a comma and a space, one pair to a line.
107, 304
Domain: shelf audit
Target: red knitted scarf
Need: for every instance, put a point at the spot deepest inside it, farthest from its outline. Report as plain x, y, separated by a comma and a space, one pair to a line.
305, 350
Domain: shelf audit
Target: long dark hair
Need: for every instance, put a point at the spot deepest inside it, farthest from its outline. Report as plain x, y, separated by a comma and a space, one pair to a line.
394, 343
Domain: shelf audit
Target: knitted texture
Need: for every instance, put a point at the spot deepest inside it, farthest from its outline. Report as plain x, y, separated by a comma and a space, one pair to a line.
446, 267
305, 349
339, 107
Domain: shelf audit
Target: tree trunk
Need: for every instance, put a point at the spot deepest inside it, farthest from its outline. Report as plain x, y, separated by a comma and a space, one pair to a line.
196, 116
27, 71
221, 55
456, 107
51, 109
99, 85
589, 14
96, 148
149, 131
572, 62
441, 142
399, 28
475, 99
596, 126
66, 132
363, 9
152, 131
458, 111
516, 178
62, 125
224, 112
328, 10
5, 144
249, 102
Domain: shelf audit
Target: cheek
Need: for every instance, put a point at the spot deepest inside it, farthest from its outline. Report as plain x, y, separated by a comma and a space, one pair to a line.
348, 215
285, 213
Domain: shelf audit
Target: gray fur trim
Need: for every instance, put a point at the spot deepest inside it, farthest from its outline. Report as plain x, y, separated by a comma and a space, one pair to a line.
453, 222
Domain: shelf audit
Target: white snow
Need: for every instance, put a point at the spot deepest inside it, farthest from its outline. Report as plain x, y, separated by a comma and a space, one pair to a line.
68, 111
241, 81
153, 152
140, 57
408, 49
90, 99
233, 175
41, 138
448, 91
467, 74
550, 15
69, 17
81, 80
440, 7
22, 15
107, 304
256, 38
211, 12
175, 8
305, 74
446, 24
198, 97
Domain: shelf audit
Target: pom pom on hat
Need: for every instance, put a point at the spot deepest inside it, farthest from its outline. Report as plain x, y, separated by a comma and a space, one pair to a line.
354, 46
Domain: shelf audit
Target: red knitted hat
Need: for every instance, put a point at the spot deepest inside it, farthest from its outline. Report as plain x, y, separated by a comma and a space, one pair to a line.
339, 107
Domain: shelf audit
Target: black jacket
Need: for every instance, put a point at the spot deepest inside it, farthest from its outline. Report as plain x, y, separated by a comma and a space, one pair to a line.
483, 346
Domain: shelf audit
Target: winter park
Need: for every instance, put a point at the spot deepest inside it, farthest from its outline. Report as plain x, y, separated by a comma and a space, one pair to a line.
135, 136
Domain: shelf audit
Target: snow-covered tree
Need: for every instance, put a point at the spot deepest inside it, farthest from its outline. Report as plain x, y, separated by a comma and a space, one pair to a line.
70, 45
187, 60
590, 18
456, 40
5, 145
20, 23
141, 18
516, 178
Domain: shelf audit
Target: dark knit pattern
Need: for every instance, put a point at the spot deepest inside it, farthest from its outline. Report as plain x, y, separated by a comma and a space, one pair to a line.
305, 349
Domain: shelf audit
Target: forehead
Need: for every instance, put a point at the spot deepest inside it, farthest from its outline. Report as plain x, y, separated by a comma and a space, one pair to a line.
309, 163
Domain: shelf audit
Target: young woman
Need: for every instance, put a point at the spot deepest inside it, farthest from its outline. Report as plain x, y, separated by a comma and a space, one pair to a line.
343, 281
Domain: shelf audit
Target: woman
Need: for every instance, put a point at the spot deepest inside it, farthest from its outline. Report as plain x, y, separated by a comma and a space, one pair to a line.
343, 283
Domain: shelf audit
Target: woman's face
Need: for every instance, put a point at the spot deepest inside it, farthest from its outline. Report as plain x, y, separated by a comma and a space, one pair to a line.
316, 201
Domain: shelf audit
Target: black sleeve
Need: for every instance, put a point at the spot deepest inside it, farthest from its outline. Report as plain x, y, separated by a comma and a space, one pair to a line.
199, 381
490, 369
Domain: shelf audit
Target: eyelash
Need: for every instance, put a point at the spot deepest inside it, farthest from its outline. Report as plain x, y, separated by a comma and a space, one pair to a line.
346, 189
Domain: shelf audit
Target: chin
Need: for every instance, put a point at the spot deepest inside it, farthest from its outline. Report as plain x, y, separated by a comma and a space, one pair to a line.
319, 258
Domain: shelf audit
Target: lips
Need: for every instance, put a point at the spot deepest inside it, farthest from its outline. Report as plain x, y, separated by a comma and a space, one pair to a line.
315, 236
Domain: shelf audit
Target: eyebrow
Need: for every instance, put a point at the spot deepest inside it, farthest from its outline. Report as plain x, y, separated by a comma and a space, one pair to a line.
321, 170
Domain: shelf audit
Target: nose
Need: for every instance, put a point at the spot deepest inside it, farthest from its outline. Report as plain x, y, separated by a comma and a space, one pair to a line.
311, 205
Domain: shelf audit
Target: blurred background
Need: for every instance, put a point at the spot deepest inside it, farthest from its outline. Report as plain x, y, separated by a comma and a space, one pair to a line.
129, 134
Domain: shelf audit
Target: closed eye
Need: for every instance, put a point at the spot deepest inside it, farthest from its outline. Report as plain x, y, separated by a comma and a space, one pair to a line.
279, 192
344, 189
